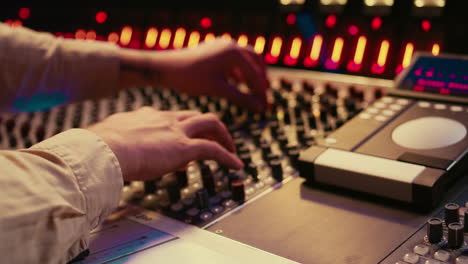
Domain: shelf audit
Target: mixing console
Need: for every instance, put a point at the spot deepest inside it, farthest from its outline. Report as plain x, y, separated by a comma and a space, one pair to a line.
305, 107
442, 239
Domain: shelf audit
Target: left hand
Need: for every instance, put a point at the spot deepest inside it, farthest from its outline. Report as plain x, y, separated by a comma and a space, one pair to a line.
208, 68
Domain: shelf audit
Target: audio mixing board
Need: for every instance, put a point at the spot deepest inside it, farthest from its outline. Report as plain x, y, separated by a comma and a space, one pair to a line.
323, 161
305, 107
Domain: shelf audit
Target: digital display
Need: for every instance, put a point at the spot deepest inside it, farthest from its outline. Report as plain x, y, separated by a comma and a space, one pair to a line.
446, 75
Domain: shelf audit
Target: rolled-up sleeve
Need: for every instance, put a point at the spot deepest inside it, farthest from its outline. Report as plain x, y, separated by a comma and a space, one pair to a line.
53, 194
37, 67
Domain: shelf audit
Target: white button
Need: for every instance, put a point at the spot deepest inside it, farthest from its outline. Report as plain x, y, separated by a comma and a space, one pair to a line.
387, 99
432, 261
217, 209
330, 140
402, 102
388, 112
421, 249
456, 108
440, 106
372, 110
411, 258
206, 215
229, 203
396, 107
249, 191
364, 116
442, 255
424, 104
380, 118
380, 105
461, 260
259, 185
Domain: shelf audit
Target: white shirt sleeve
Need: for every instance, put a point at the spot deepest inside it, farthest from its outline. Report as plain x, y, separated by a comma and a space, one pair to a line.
53, 194
36, 66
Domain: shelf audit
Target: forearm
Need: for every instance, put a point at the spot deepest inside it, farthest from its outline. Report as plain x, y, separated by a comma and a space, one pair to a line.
53, 194
40, 70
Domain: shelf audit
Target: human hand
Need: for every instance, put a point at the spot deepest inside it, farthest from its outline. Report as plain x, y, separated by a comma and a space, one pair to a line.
213, 68
150, 143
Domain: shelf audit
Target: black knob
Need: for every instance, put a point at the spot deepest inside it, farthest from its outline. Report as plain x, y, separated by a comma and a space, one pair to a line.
245, 157
455, 235
300, 132
308, 87
434, 230
208, 180
283, 140
173, 191
182, 179
276, 169
451, 213
465, 220
202, 199
251, 169
150, 187
243, 150
312, 121
237, 189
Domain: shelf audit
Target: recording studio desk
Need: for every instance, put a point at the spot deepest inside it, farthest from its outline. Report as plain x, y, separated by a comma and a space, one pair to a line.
319, 226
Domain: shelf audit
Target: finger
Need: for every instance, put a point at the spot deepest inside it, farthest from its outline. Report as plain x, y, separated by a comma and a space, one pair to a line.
234, 95
202, 149
251, 72
208, 126
182, 115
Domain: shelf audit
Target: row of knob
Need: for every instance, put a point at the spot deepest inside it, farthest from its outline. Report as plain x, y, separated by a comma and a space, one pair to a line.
455, 228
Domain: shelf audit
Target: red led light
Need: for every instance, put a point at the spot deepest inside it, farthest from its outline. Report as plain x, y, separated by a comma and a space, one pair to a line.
205, 22
101, 17
353, 30
426, 25
24, 13
330, 21
376, 23
291, 19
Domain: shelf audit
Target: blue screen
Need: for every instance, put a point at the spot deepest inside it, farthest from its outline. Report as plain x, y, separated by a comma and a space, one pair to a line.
434, 74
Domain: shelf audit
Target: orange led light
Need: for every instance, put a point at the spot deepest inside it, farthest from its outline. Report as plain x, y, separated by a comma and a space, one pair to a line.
407, 55
382, 59
337, 49
316, 47
113, 37
276, 47
126, 35
242, 40
295, 48
151, 36
259, 44
194, 38
165, 38
91, 35
360, 48
226, 36
209, 36
80, 34
179, 38
435, 49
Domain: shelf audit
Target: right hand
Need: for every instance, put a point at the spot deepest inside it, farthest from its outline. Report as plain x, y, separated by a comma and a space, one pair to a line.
150, 143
